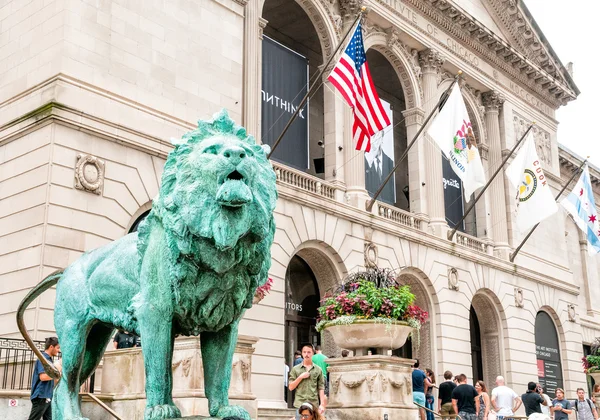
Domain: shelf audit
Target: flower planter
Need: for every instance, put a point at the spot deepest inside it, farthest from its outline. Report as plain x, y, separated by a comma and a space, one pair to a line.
364, 334
596, 376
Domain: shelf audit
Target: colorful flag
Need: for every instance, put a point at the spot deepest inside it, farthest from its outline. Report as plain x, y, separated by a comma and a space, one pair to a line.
533, 197
580, 204
352, 79
452, 131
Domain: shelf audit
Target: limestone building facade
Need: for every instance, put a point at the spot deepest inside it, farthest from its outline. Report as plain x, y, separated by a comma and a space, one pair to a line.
91, 92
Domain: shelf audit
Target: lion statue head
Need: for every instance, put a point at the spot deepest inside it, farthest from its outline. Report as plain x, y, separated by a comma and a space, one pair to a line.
215, 204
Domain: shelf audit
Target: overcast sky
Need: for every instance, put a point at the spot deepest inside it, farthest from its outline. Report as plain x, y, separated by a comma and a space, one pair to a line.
572, 27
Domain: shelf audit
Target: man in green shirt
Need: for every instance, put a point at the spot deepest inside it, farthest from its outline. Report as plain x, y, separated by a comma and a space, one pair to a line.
319, 359
308, 381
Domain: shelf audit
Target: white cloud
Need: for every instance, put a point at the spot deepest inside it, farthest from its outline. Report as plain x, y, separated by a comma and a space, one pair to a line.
571, 29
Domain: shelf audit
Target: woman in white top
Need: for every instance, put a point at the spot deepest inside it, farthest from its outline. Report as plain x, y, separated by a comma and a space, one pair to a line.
545, 408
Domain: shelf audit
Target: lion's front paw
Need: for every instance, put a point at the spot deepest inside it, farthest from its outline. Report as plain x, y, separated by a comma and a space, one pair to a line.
165, 411
233, 411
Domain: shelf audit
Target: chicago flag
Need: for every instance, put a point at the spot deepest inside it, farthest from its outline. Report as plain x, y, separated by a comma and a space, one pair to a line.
452, 131
580, 204
533, 196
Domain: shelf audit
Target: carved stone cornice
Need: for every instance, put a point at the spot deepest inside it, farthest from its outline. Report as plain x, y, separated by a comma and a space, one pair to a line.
482, 41
492, 101
431, 61
527, 39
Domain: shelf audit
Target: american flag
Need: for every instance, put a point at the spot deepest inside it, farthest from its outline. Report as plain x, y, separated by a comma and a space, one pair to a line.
352, 79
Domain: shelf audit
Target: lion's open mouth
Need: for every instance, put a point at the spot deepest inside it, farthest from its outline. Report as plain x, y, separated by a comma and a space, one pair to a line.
235, 175
233, 191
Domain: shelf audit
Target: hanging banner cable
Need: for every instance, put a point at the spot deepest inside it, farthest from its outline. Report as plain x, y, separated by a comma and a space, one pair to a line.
443, 99
316, 83
575, 173
485, 187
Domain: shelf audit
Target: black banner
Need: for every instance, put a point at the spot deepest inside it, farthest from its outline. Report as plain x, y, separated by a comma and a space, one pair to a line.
284, 84
453, 200
547, 354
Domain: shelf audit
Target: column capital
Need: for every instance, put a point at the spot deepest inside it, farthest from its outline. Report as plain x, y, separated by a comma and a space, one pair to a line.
431, 61
492, 101
262, 24
350, 8
413, 116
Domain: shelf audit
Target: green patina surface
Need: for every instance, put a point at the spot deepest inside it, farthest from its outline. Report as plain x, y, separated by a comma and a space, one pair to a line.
192, 268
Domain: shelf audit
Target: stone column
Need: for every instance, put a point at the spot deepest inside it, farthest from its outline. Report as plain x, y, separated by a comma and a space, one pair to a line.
416, 162
334, 118
354, 160
431, 63
493, 101
252, 68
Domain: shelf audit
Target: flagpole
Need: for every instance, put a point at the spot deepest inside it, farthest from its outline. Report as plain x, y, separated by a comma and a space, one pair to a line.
485, 187
443, 98
575, 173
315, 84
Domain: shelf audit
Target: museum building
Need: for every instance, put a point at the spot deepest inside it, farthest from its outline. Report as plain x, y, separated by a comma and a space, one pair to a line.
91, 92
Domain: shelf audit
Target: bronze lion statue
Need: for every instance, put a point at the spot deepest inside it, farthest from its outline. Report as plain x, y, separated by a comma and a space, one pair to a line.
191, 269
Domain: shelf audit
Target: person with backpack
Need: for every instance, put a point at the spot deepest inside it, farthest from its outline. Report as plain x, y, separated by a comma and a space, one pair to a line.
584, 407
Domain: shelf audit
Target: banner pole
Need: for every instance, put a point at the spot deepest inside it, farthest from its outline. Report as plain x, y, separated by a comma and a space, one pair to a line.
315, 84
575, 173
485, 187
443, 99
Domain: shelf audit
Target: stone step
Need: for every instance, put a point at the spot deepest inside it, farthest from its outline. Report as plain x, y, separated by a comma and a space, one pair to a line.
276, 413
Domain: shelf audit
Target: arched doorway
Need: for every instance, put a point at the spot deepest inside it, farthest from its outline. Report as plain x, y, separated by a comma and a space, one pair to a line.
301, 302
486, 336
547, 350
292, 51
424, 348
476, 354
392, 138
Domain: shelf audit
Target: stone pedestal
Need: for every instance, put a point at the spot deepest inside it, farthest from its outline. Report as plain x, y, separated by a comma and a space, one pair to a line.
123, 379
370, 387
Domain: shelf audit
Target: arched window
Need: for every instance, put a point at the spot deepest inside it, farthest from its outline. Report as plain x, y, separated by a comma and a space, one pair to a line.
547, 352
136, 224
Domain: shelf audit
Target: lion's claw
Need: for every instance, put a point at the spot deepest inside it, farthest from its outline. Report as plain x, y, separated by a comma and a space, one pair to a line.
159, 412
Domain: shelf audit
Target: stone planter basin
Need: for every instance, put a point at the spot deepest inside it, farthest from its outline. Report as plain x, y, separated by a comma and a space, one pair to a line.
364, 334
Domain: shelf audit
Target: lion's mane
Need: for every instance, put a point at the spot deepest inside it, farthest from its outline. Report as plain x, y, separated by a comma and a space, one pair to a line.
187, 250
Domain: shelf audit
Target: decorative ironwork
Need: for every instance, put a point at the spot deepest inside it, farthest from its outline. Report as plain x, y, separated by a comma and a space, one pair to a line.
17, 362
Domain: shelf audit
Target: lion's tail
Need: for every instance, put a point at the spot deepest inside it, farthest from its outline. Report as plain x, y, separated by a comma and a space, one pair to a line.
44, 285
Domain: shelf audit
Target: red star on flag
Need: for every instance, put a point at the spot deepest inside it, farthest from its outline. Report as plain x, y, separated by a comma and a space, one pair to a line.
592, 218
581, 192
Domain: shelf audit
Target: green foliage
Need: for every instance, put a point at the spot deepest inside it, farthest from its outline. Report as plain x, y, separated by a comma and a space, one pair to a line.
370, 296
594, 361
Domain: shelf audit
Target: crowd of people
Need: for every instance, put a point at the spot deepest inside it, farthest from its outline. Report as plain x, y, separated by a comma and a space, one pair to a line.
473, 402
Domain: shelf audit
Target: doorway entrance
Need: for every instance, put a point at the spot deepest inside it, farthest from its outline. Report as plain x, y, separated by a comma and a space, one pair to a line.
476, 354
301, 302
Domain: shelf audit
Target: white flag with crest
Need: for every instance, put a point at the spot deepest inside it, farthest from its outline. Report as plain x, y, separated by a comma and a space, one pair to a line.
452, 131
533, 197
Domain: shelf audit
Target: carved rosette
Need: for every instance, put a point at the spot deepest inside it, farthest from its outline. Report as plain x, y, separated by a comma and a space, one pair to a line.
492, 101
453, 278
431, 61
89, 174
